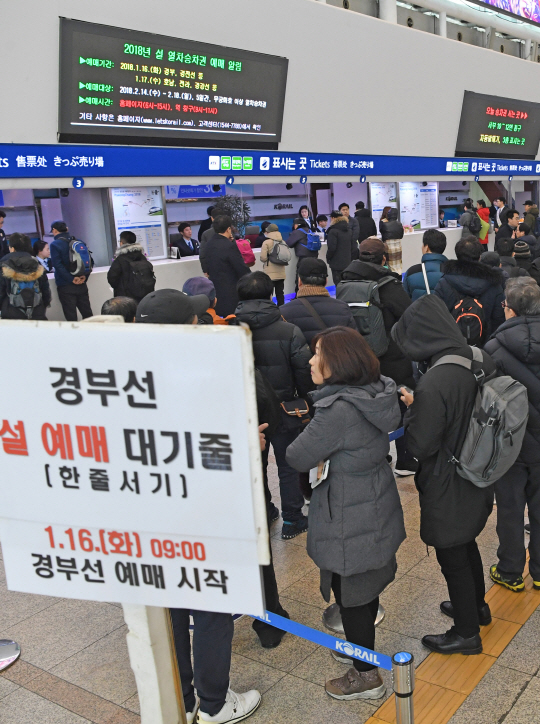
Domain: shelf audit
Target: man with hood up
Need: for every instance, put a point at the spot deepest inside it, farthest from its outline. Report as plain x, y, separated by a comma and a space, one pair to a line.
24, 287
453, 511
466, 276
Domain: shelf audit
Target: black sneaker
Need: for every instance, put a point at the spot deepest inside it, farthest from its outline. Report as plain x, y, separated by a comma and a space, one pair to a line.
292, 528
269, 636
404, 468
484, 614
273, 514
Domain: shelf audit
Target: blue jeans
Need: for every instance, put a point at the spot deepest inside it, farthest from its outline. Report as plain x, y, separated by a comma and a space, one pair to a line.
292, 499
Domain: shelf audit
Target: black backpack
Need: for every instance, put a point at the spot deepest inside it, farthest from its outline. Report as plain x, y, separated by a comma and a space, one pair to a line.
475, 225
141, 280
469, 316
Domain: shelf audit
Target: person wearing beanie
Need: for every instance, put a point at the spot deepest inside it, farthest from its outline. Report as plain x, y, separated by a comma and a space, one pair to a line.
314, 309
522, 255
201, 285
394, 301
276, 272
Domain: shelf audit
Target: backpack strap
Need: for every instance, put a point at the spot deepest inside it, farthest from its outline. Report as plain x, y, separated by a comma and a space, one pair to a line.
311, 309
424, 272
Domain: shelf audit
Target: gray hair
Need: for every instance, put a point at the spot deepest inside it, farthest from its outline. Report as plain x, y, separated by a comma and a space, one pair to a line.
523, 296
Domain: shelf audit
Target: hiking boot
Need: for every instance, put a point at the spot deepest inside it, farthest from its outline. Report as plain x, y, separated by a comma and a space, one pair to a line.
452, 643
236, 708
356, 685
292, 528
513, 583
404, 468
484, 614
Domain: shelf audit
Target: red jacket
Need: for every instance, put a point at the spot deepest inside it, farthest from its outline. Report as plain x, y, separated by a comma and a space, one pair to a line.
484, 215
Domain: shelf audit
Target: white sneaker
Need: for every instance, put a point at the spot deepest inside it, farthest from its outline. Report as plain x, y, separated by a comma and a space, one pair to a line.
236, 708
190, 715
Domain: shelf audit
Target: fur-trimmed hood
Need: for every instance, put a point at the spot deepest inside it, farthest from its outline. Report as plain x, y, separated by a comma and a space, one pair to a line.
338, 220
128, 248
21, 267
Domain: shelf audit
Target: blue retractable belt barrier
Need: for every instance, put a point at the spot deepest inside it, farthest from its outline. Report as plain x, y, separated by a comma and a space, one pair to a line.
397, 433
330, 642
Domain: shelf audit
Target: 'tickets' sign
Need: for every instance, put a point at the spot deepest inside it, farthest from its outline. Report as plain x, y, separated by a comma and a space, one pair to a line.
134, 474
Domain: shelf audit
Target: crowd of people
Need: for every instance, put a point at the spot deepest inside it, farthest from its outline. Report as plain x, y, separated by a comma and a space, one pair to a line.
334, 376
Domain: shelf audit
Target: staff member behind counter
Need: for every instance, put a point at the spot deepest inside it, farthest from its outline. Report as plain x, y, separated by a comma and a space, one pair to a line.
183, 240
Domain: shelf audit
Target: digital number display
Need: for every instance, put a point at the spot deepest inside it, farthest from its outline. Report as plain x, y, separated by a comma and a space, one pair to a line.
497, 127
131, 87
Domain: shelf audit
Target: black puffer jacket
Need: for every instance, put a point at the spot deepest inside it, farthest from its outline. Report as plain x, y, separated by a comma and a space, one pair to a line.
120, 270
297, 240
341, 249
515, 347
453, 511
279, 348
474, 279
395, 301
333, 312
391, 229
509, 265
224, 265
366, 225
19, 266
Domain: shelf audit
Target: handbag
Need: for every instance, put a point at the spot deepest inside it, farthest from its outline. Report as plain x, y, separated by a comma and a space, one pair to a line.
295, 413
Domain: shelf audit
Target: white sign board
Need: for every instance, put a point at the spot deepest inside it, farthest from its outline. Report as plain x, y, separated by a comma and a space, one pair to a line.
382, 194
134, 475
141, 210
418, 205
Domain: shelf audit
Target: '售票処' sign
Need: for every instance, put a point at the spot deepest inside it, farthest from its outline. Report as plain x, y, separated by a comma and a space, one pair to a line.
134, 474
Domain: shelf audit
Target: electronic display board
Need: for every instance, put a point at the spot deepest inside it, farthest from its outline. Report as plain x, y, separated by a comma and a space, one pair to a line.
131, 87
497, 127
526, 10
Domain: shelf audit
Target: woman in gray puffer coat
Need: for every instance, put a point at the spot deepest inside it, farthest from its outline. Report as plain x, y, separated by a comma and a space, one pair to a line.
355, 517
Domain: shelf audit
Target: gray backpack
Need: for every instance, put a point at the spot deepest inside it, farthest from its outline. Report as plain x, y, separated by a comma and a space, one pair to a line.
497, 425
363, 298
280, 254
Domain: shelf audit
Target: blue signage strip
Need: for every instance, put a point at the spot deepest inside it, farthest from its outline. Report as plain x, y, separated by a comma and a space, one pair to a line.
48, 161
330, 642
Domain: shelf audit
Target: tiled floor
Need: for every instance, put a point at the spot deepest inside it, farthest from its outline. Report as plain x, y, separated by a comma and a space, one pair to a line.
75, 667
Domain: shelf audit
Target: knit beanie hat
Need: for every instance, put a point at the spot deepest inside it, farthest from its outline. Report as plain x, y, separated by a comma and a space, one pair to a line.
522, 249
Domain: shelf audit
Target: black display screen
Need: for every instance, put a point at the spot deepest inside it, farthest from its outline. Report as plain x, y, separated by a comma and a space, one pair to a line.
497, 127
126, 86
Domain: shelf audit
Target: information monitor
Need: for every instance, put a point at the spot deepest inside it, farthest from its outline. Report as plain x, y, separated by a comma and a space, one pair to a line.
497, 127
131, 87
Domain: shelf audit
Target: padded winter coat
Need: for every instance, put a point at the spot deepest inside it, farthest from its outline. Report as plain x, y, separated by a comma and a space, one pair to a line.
414, 283
20, 266
60, 259
453, 511
477, 280
515, 348
341, 249
224, 265
366, 225
297, 240
279, 348
333, 312
355, 515
393, 228
274, 271
120, 270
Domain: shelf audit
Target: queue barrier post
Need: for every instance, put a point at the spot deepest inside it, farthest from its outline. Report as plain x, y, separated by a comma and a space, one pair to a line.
403, 681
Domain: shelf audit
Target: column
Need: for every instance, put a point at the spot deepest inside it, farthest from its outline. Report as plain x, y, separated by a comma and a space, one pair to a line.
442, 24
388, 10
490, 38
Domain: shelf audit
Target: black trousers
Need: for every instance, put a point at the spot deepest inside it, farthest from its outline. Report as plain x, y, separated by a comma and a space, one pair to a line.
271, 595
336, 275
212, 647
520, 486
462, 568
292, 500
73, 297
358, 623
279, 285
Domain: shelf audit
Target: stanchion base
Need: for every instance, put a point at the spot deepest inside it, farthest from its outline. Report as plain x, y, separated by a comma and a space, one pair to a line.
331, 618
9, 653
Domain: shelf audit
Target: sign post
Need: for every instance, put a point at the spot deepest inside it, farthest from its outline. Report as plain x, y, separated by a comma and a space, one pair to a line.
135, 475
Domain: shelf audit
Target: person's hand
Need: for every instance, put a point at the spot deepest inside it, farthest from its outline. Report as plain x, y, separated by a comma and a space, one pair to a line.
262, 439
206, 275
406, 397
79, 280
